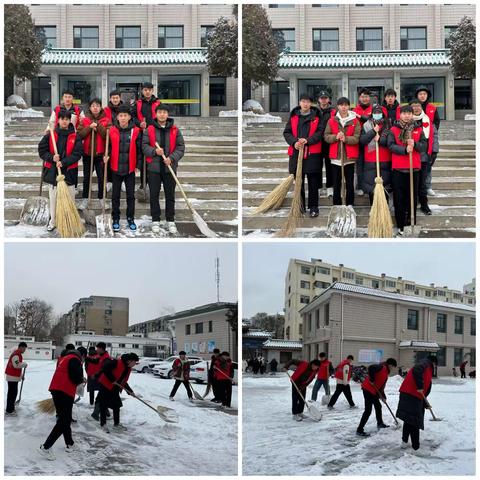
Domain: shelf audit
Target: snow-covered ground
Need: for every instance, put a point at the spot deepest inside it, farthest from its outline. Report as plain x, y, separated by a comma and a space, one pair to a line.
149, 447
275, 444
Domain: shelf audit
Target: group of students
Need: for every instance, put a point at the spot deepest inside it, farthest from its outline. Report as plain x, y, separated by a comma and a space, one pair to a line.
138, 133
338, 135
414, 390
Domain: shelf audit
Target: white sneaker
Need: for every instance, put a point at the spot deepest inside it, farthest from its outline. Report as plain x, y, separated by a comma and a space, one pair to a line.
420, 453
51, 226
109, 186
156, 227
11, 414
359, 192
71, 448
163, 224
48, 454
431, 192
104, 428
171, 399
404, 445
172, 228
298, 417
329, 192
120, 428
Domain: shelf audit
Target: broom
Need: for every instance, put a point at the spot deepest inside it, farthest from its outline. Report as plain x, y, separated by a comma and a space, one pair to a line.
68, 222
296, 210
380, 221
274, 200
46, 406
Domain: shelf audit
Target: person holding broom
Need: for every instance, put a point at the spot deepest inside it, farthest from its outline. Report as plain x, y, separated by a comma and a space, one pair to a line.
95, 364
211, 376
181, 374
14, 374
223, 373
70, 150
406, 138
305, 128
375, 133
373, 388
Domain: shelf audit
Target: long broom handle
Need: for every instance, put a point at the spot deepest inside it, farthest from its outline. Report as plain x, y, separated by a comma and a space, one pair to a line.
343, 187
55, 149
105, 171
224, 374
412, 215
377, 158
92, 157
429, 407
144, 168
296, 388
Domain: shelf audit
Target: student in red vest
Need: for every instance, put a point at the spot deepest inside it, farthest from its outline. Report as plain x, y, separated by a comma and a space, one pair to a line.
69, 145
68, 105
170, 140
95, 123
373, 388
324, 372
463, 366
125, 155
411, 405
211, 376
113, 378
406, 136
302, 377
305, 127
424, 95
375, 130
181, 374
114, 103
326, 111
223, 371
14, 374
95, 364
67, 376
343, 135
343, 374
391, 105
90, 366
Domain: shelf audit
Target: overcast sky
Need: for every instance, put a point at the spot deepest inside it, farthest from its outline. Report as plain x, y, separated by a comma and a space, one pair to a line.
157, 277
265, 265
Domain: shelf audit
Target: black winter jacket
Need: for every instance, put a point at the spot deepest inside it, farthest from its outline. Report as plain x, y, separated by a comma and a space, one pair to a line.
124, 149
146, 110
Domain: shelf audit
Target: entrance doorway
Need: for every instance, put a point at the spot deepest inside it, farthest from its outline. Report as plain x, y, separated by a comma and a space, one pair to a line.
181, 93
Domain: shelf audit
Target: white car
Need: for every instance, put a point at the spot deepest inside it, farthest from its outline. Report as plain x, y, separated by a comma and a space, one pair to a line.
145, 364
164, 369
199, 372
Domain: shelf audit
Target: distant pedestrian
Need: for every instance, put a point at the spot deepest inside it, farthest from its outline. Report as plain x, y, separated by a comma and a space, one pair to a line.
463, 366
324, 372
13, 374
181, 374
273, 366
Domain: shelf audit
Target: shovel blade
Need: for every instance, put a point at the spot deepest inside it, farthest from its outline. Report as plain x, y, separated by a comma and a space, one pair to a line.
342, 222
143, 195
411, 232
35, 212
104, 226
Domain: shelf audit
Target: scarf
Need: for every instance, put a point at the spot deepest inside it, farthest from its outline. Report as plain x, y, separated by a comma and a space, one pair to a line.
406, 130
350, 117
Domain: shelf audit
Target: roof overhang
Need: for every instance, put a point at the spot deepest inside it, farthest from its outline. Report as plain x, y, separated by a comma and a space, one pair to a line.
419, 345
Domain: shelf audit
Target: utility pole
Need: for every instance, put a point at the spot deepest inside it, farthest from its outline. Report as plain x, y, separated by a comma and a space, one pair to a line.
217, 277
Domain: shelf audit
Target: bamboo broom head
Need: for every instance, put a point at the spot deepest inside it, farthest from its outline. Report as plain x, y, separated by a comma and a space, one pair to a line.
46, 406
380, 222
274, 200
68, 221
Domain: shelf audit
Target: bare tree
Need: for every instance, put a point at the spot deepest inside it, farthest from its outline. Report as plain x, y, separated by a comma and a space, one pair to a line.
34, 318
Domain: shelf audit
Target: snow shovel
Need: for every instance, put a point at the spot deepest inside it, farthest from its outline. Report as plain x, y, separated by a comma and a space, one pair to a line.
429, 407
225, 375
195, 393
326, 399
342, 220
397, 424
88, 213
104, 221
312, 410
142, 194
36, 211
414, 230
17, 402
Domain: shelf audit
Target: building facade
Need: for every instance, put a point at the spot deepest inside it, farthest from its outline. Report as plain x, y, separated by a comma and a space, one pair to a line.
102, 315
342, 48
35, 350
305, 280
373, 325
94, 49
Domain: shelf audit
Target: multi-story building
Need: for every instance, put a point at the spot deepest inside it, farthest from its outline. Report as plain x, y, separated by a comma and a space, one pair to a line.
373, 324
305, 280
94, 49
341, 48
102, 315
35, 350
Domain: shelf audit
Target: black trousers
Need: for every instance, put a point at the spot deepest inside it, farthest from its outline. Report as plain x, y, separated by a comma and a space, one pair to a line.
422, 183
92, 396
225, 392
177, 384
462, 375
216, 392
345, 389
370, 401
314, 183
325, 160
11, 396
155, 181
98, 167
401, 197
297, 402
63, 406
117, 181
349, 171
413, 432
108, 399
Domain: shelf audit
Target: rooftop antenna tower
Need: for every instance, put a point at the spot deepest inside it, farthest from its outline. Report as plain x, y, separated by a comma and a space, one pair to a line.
217, 276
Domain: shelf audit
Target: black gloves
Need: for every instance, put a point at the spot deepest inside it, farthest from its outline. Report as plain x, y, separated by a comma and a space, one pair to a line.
433, 157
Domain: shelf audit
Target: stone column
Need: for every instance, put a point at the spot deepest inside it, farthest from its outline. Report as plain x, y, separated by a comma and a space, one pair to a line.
105, 96
55, 88
205, 94
345, 85
450, 96
397, 84
293, 91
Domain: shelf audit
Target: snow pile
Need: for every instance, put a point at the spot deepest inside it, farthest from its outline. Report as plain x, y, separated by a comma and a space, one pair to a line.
149, 447
470, 117
228, 113
253, 106
16, 101
250, 117
15, 112
330, 447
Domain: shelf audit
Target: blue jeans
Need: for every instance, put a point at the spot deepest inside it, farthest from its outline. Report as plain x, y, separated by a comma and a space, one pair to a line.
316, 388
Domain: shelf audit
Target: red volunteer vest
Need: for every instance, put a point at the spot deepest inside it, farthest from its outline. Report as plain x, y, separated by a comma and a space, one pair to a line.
409, 386
380, 380
430, 111
76, 110
70, 145
99, 141
339, 370
300, 371
352, 150
60, 380
153, 140
430, 137
115, 148
94, 368
323, 370
400, 162
139, 109
225, 372
384, 154
316, 147
117, 373
10, 369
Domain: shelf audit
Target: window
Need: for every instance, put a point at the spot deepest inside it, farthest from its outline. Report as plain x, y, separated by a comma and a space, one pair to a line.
199, 327
323, 270
375, 284
390, 283
448, 31
473, 359
413, 38
321, 284
334, 279
205, 31
108, 312
412, 320
135, 345
41, 92
457, 296
287, 333
327, 314
285, 38
457, 356
218, 91
304, 299
440, 293
127, 37
409, 287
279, 97
280, 5
428, 293
369, 39
442, 357
78, 344
441, 322
326, 39
305, 270
210, 326
107, 331
463, 94
470, 301
47, 35
289, 289
317, 319
300, 328
358, 280
170, 37
304, 284
85, 37
459, 324
187, 329
121, 345
349, 275
473, 327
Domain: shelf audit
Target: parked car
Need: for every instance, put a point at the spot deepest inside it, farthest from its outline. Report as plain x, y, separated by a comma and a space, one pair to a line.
199, 372
145, 364
164, 369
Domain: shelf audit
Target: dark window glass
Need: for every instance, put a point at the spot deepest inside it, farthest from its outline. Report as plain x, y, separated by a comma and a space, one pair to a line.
459, 324
205, 31
170, 36
218, 91
285, 38
441, 323
412, 320
47, 35
326, 39
369, 39
127, 37
85, 37
279, 97
413, 38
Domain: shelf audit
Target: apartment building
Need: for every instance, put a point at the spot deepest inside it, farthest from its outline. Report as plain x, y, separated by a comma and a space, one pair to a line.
306, 280
342, 48
94, 49
373, 324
